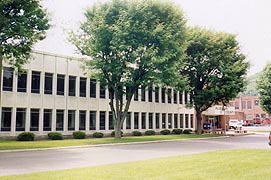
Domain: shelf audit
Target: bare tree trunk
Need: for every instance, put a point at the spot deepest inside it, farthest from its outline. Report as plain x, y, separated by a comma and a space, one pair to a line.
1, 74
198, 117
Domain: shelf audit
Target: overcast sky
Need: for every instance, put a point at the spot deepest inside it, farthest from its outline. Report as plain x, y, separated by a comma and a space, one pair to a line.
248, 19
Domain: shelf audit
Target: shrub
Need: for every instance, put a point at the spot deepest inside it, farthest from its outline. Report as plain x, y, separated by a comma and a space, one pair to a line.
137, 133
187, 131
165, 132
79, 135
98, 134
26, 136
177, 131
149, 132
113, 133
55, 136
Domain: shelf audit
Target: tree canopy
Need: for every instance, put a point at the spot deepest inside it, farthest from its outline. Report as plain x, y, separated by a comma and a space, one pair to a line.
264, 88
132, 44
215, 67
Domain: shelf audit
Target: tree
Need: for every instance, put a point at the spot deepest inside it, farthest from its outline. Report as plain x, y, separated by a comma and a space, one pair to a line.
264, 88
215, 68
22, 23
132, 44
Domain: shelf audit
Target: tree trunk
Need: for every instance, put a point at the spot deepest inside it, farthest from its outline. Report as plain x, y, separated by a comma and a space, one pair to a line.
117, 129
1, 74
198, 117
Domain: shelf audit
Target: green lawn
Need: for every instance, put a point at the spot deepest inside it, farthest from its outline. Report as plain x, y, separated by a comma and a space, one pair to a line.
12, 144
216, 165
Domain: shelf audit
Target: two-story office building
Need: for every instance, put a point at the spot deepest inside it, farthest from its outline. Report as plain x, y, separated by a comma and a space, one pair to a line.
54, 94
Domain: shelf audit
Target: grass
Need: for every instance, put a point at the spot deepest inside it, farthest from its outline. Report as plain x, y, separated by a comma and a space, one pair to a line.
218, 165
12, 144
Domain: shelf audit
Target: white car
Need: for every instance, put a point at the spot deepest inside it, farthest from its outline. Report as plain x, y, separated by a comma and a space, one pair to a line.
235, 124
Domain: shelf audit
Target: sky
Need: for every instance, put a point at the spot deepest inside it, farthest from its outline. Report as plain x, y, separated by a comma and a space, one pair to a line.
249, 20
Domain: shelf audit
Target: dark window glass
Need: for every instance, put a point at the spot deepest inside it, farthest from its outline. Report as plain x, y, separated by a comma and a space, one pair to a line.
186, 121
191, 99
163, 120
22, 82
175, 120
181, 120
47, 120
157, 120
83, 86
6, 119
157, 94
143, 94
111, 123
102, 91
150, 94
34, 119
48, 83
143, 120
71, 120
180, 97
191, 121
128, 121
185, 98
59, 120
72, 85
60, 84
169, 121
256, 103
169, 95
20, 119
136, 95
82, 120
7, 79
150, 121
163, 95
102, 120
35, 83
136, 120
92, 120
93, 88
175, 96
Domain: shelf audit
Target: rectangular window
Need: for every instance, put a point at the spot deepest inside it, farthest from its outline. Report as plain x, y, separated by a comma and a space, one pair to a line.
60, 84
191, 120
111, 122
163, 120
243, 104
136, 120
82, 120
175, 96
180, 97
150, 94
169, 95
236, 105
48, 83
102, 120
35, 82
185, 98
136, 95
249, 104
71, 120
102, 91
72, 85
47, 119
169, 121
92, 120
186, 121
20, 119
256, 102
34, 119
181, 120
157, 120
22, 82
143, 120
175, 120
6, 119
157, 94
83, 87
143, 94
163, 95
59, 120
150, 121
7, 79
93, 88
128, 121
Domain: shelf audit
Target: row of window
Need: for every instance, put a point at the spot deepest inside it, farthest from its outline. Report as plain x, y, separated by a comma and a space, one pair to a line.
155, 120
244, 104
172, 95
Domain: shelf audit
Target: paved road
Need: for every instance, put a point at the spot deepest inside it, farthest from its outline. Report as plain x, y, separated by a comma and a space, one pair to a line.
35, 161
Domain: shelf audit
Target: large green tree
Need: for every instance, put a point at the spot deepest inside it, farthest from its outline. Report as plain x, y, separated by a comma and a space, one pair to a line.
22, 23
132, 44
264, 88
215, 67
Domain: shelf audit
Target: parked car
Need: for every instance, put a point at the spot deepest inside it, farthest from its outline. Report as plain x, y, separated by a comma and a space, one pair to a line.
235, 124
